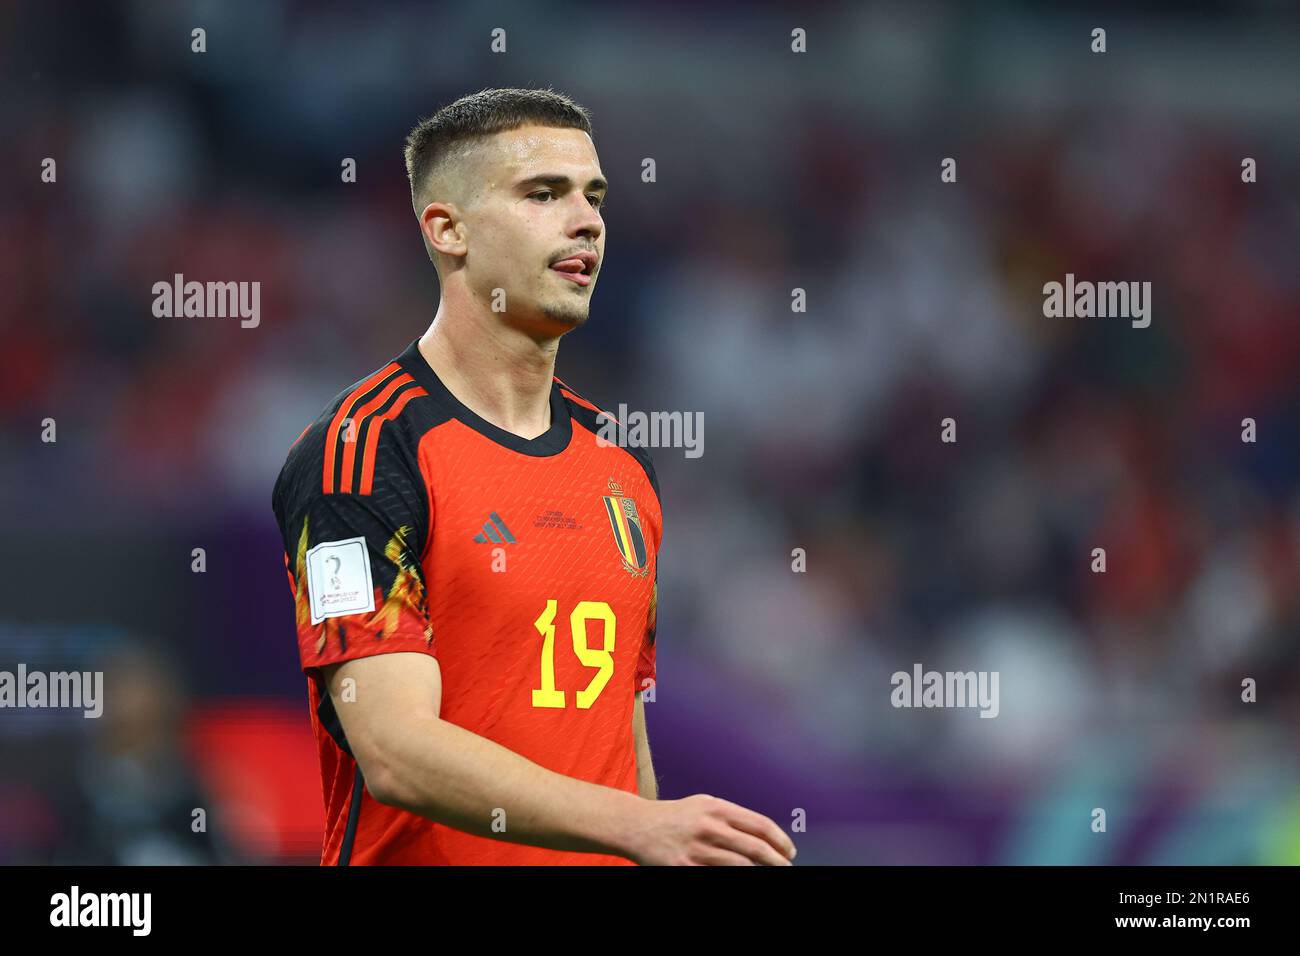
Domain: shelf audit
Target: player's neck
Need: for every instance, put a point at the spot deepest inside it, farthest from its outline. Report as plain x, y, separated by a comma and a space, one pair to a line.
498, 372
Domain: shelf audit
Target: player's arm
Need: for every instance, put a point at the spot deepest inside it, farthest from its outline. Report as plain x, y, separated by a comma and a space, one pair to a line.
646, 784
412, 759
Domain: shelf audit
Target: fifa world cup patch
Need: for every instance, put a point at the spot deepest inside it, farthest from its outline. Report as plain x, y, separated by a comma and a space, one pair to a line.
339, 580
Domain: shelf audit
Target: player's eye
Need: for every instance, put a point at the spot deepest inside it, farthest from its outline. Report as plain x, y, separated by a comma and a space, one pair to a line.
541, 192
597, 201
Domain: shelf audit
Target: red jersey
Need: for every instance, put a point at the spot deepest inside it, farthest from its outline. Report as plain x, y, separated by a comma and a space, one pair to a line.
527, 567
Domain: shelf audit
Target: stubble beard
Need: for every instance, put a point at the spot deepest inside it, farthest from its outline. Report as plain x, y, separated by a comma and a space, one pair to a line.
572, 314
570, 310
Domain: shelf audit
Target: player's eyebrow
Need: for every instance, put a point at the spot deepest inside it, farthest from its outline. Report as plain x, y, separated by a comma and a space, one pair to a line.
559, 180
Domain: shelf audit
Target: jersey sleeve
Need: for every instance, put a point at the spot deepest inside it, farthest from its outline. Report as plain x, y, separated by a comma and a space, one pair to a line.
354, 558
645, 665
646, 676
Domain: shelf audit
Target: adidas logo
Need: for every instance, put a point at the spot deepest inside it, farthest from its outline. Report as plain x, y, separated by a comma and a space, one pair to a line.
494, 530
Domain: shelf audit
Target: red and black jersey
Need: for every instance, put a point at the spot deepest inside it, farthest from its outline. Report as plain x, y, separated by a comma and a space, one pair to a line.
527, 567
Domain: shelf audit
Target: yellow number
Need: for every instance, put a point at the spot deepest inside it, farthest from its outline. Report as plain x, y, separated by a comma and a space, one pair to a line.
602, 658
590, 657
548, 696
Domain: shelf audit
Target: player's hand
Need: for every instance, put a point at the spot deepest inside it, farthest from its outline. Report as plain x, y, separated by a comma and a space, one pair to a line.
701, 830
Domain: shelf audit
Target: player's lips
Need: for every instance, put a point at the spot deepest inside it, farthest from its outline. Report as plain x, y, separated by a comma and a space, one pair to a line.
578, 268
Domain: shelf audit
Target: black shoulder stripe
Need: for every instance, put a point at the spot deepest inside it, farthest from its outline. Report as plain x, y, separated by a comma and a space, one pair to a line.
593, 421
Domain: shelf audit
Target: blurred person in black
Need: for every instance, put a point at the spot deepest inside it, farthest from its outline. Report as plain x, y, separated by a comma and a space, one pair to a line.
130, 796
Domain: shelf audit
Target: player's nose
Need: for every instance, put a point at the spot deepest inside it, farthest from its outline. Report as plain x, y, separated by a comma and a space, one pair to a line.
586, 220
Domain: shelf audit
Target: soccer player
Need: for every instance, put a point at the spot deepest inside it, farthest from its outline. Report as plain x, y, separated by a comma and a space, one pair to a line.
474, 571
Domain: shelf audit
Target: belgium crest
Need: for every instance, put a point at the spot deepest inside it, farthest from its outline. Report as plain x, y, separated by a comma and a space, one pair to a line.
626, 525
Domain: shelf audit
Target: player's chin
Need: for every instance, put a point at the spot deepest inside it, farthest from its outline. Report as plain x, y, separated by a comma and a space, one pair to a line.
565, 314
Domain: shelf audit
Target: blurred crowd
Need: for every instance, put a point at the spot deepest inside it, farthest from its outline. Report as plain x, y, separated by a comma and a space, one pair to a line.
1121, 689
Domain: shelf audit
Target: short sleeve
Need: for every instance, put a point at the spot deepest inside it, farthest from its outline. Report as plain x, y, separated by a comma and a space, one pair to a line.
354, 559
645, 665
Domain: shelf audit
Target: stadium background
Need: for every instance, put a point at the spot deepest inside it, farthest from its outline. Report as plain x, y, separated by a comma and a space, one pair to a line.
775, 170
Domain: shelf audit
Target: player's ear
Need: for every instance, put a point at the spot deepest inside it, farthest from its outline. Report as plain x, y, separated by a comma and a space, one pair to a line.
443, 228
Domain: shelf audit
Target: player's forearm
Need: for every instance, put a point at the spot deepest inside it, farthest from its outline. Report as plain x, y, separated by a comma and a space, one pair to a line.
455, 777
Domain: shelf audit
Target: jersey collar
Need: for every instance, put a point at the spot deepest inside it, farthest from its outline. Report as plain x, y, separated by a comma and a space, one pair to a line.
551, 442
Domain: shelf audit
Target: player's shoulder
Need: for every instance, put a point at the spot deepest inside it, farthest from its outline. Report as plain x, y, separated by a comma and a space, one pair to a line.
367, 433
604, 424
